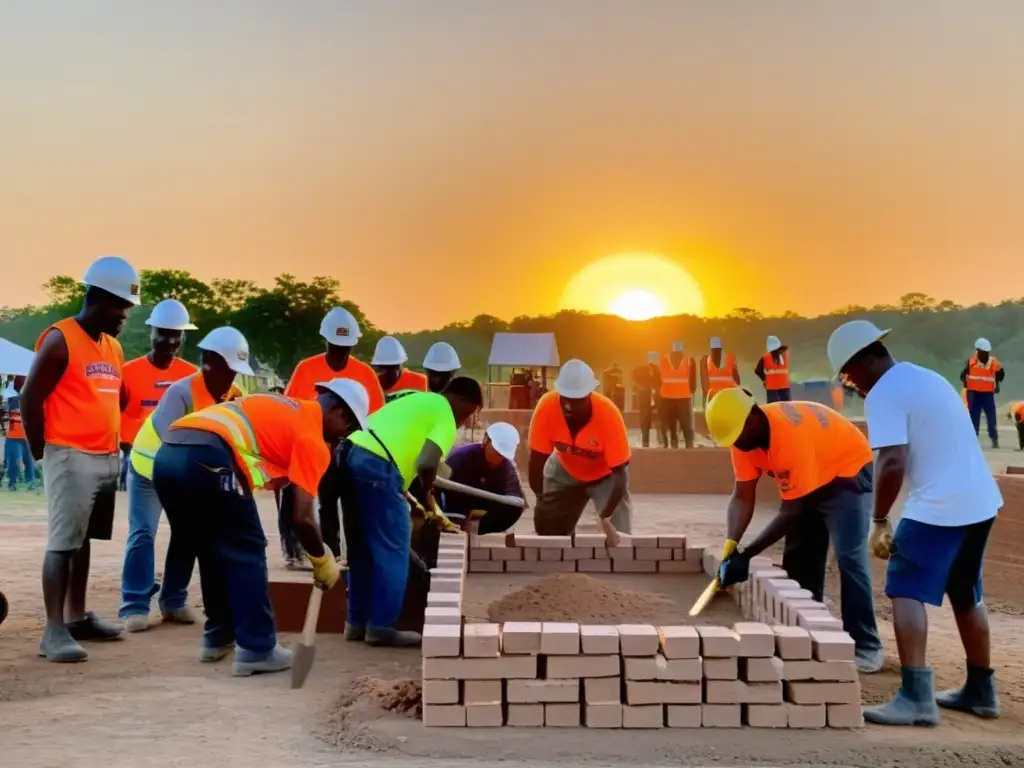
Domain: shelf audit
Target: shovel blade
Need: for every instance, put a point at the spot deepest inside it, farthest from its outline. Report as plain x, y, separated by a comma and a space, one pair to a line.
302, 663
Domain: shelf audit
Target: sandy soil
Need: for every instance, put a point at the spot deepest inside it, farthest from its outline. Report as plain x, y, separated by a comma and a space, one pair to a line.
147, 701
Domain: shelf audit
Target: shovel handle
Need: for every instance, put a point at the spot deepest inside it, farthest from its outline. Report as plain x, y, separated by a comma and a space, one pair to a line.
312, 616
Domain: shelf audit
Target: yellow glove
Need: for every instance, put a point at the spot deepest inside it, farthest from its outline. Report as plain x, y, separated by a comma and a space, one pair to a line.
434, 513
728, 548
881, 539
326, 570
476, 514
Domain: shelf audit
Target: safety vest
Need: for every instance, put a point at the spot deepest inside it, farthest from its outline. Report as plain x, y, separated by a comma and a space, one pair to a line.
776, 374
982, 378
675, 382
720, 378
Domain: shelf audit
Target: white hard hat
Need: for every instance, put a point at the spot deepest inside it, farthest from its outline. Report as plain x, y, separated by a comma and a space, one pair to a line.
774, 343
983, 345
171, 315
442, 357
575, 380
504, 438
230, 344
849, 339
677, 346
389, 351
115, 276
716, 343
340, 328
653, 357
353, 393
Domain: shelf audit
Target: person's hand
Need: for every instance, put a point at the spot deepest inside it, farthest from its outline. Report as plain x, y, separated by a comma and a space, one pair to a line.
326, 570
735, 569
881, 539
609, 531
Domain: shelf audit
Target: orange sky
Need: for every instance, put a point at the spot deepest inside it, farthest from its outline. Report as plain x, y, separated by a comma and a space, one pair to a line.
791, 155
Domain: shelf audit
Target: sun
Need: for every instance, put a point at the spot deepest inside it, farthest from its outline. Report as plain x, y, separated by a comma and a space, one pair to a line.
637, 305
636, 286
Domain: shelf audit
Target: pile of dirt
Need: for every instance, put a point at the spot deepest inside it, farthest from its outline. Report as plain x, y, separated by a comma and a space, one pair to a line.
363, 703
581, 598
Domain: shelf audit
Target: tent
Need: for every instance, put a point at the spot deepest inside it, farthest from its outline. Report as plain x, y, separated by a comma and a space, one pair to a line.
513, 355
15, 360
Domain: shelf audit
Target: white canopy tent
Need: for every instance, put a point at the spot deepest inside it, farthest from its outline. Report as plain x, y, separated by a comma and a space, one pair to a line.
15, 360
511, 353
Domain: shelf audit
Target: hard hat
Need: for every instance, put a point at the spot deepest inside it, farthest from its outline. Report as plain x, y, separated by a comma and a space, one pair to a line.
389, 351
230, 344
677, 346
504, 438
340, 328
849, 339
653, 357
575, 380
774, 343
716, 343
115, 276
983, 345
442, 357
726, 414
352, 393
171, 315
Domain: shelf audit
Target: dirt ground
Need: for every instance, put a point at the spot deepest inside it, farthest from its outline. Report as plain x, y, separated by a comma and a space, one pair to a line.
147, 701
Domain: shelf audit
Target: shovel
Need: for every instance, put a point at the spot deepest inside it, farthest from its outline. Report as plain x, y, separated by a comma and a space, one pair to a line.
302, 662
709, 594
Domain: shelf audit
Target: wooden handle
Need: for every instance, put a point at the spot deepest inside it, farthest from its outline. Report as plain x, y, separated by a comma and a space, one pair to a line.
448, 485
312, 616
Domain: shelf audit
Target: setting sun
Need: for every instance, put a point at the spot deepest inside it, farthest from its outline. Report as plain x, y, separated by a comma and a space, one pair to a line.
637, 305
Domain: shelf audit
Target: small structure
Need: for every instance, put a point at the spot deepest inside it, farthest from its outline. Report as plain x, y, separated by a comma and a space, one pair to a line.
264, 379
15, 360
518, 368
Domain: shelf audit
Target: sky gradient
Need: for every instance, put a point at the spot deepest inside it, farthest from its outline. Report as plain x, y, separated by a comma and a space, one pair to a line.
443, 158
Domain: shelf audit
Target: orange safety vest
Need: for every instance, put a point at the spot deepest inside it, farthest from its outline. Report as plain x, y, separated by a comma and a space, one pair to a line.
982, 378
675, 382
776, 375
720, 378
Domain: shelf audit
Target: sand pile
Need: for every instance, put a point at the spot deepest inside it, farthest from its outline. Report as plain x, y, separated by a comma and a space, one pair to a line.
362, 703
578, 597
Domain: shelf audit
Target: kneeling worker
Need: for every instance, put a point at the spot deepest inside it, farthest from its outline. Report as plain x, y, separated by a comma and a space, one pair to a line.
823, 467
205, 474
490, 466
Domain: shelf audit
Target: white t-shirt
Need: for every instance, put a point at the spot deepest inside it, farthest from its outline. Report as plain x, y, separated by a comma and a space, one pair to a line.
948, 482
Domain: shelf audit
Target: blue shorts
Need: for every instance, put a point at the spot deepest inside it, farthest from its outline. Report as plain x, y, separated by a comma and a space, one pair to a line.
929, 561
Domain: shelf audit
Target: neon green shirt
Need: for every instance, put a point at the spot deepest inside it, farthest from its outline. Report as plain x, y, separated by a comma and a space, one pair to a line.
404, 425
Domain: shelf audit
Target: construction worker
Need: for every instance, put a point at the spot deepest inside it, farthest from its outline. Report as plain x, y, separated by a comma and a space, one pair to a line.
145, 379
821, 463
982, 377
678, 385
646, 383
925, 445
402, 442
389, 358
340, 330
1017, 417
579, 452
71, 410
225, 353
441, 363
611, 385
17, 456
773, 371
718, 371
206, 472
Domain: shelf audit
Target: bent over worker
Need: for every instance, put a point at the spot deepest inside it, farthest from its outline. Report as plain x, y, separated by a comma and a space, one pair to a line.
1016, 415
205, 474
822, 465
982, 377
225, 354
579, 452
773, 371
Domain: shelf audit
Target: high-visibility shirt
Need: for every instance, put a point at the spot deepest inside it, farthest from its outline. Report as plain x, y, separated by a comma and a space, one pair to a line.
1017, 409
410, 381
84, 410
982, 377
274, 439
145, 385
593, 452
720, 378
313, 370
15, 429
188, 396
809, 446
675, 382
776, 374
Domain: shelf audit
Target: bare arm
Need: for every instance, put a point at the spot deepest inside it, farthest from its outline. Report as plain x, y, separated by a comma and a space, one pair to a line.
759, 369
618, 491
704, 377
740, 511
536, 471
776, 529
304, 521
890, 468
47, 369
426, 466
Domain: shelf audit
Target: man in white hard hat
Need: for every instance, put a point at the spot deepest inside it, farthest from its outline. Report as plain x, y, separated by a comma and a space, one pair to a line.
926, 443
773, 371
225, 353
646, 383
718, 370
71, 409
389, 358
675, 404
441, 363
982, 377
579, 452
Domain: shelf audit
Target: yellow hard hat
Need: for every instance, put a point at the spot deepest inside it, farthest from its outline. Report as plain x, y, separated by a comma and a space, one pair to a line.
726, 414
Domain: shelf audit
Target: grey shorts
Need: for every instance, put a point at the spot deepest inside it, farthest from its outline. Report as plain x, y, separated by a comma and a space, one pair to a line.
80, 493
564, 498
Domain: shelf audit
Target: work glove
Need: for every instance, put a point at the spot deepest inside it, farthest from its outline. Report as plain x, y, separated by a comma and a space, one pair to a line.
881, 539
326, 570
735, 569
433, 514
728, 548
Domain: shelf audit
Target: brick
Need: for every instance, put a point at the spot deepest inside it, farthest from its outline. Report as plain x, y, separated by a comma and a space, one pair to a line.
578, 553
594, 566
682, 715
822, 671
795, 594
712, 561
679, 642
718, 642
444, 599
724, 691
819, 621
796, 606
442, 639
721, 715
604, 714
487, 566
525, 715
503, 667
599, 639
562, 715
761, 563
589, 540
640, 692
638, 640
550, 555
620, 552
649, 716
792, 643
443, 715
582, 666
481, 640
483, 691
765, 715
832, 646
490, 541
509, 553
531, 554
695, 554
544, 542
446, 585
634, 566
442, 615
678, 553
561, 638
440, 691
542, 691
519, 637
446, 573
484, 715
660, 668
756, 639
721, 669
678, 566
475, 553
759, 670
602, 690
805, 716
845, 716
601, 553
672, 542
823, 693
643, 553
533, 566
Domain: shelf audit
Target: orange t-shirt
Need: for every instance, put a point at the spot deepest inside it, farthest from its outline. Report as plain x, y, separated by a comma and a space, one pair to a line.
84, 410
810, 445
314, 369
597, 449
15, 429
146, 384
409, 380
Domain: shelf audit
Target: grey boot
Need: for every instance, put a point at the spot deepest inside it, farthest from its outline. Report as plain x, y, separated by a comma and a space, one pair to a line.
248, 663
355, 634
393, 637
58, 645
977, 696
913, 704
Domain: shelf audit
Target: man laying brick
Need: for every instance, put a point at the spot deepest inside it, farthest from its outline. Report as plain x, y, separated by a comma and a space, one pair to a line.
822, 465
926, 442
579, 451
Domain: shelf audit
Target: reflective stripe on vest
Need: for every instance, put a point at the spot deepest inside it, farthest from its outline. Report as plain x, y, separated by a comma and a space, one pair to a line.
675, 382
982, 378
720, 378
776, 375
243, 436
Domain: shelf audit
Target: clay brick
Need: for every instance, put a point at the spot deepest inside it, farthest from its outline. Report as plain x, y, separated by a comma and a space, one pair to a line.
845, 716
590, 540
712, 561
581, 666
442, 615
644, 540
660, 668
544, 542
795, 606
520, 637
442, 639
678, 566
768, 670
832, 646
483, 691
475, 553
634, 566
487, 566
446, 573
823, 693
490, 540
765, 715
594, 566
718, 642
761, 563
822, 671
562, 715
724, 691
638, 640
644, 554
542, 691
602, 714
446, 585
721, 669
534, 566
601, 553
721, 715
531, 554
484, 715
682, 715
795, 594
792, 643
602, 690
440, 691
481, 640
550, 555
509, 553
672, 542
819, 621
755, 639
805, 716
525, 715
678, 553
578, 553
695, 553
648, 716
560, 638
503, 667
444, 599
620, 552
679, 642
640, 692
600, 639
443, 715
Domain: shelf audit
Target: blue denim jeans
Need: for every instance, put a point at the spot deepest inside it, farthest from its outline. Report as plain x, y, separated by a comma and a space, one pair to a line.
17, 455
138, 575
779, 395
979, 403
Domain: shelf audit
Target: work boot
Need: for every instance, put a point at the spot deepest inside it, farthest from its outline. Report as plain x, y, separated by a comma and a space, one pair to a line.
870, 661
913, 704
59, 646
977, 696
355, 634
210, 654
92, 627
249, 663
136, 622
179, 616
396, 638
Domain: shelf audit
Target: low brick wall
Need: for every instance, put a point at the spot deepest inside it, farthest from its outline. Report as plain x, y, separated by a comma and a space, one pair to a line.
1006, 545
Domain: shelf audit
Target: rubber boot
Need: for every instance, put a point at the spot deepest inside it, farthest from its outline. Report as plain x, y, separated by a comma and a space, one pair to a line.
393, 637
355, 634
58, 645
977, 696
248, 663
913, 704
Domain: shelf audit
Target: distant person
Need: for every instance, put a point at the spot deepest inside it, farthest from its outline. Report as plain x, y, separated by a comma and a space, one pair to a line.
718, 370
441, 364
395, 379
1017, 417
925, 445
982, 377
773, 371
646, 383
612, 385
678, 385
519, 390
17, 454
